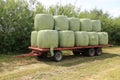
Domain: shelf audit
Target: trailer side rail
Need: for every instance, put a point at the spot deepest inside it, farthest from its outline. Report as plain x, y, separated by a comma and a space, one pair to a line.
69, 48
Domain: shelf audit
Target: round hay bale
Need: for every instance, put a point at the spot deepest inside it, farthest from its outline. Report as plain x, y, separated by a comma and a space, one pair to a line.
93, 38
81, 38
47, 39
86, 24
61, 22
66, 39
74, 24
103, 37
43, 21
96, 25
34, 38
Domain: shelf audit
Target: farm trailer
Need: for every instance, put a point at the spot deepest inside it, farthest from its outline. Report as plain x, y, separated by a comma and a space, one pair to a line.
57, 56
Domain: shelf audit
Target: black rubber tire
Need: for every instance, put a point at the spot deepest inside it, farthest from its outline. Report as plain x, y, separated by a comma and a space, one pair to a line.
44, 55
76, 52
98, 51
90, 52
57, 56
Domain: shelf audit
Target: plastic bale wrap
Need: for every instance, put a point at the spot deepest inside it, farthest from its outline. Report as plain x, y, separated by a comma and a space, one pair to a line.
66, 39
81, 38
61, 22
93, 38
96, 25
86, 24
47, 39
34, 38
43, 21
74, 24
103, 38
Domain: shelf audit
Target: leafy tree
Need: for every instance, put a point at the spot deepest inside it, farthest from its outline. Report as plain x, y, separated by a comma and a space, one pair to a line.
67, 10
16, 21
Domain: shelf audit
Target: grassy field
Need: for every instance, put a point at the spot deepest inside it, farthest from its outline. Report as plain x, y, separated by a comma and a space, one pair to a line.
104, 67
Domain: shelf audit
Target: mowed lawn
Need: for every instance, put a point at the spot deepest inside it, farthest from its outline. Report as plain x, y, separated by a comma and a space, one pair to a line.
104, 67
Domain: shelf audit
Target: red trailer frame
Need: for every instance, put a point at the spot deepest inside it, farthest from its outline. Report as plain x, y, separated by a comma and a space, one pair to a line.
39, 51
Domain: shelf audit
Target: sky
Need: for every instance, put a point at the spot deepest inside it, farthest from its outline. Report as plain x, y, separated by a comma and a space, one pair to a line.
110, 6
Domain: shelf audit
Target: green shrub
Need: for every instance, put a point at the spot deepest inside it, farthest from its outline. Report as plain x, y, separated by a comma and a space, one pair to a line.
16, 22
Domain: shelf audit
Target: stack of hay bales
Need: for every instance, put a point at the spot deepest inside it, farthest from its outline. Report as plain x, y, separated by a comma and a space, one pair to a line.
46, 37
102, 36
60, 31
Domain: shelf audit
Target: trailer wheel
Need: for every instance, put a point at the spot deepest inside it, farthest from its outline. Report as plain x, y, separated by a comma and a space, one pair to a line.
76, 52
90, 52
57, 56
98, 51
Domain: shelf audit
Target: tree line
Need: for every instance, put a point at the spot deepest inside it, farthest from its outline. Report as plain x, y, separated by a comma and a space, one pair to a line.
17, 21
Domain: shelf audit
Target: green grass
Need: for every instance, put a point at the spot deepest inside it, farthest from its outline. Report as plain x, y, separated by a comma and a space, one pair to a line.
104, 67
4, 58
9, 58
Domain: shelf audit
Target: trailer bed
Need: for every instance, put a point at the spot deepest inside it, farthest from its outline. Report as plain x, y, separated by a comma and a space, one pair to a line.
69, 48
89, 50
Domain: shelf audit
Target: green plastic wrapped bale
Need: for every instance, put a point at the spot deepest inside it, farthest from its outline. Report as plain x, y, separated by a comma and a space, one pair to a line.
61, 22
74, 24
66, 39
34, 38
43, 22
47, 39
86, 24
93, 38
81, 38
103, 37
96, 25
